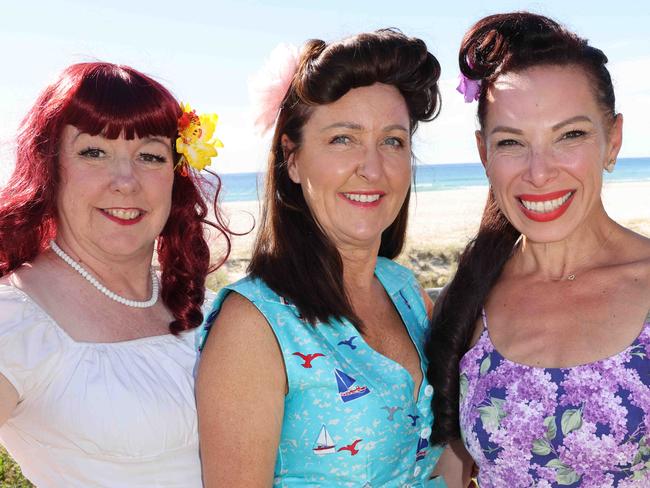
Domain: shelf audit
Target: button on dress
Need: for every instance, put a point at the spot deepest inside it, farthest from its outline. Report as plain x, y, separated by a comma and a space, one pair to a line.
350, 418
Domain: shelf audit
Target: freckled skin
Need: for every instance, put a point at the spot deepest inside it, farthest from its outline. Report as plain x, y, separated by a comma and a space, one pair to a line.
99, 173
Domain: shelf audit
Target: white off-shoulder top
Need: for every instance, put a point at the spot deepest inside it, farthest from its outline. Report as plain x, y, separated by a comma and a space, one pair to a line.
97, 414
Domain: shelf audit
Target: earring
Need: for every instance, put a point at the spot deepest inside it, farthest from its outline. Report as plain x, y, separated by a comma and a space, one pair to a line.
609, 167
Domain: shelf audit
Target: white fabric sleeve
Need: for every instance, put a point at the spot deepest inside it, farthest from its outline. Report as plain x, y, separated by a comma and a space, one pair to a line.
30, 343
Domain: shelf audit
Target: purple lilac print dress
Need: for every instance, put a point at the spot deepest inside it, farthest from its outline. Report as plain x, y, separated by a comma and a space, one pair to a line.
586, 426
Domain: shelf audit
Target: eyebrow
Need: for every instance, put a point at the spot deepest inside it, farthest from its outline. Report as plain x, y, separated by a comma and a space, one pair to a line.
156, 139
355, 126
558, 126
395, 127
159, 139
503, 128
577, 118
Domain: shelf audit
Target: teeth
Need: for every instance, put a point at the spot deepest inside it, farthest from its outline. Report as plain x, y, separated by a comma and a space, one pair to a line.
547, 205
356, 197
122, 214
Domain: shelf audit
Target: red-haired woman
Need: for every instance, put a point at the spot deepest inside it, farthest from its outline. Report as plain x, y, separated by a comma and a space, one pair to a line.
96, 372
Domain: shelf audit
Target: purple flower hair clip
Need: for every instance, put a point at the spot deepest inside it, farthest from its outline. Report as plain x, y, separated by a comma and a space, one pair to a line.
470, 89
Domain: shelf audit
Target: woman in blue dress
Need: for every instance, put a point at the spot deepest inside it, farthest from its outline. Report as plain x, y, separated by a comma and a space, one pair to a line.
312, 372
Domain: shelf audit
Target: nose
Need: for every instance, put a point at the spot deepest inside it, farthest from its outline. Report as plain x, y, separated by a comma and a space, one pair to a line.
371, 166
124, 178
541, 169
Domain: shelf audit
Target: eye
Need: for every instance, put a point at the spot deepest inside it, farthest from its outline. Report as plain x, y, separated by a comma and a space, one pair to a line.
152, 158
340, 140
92, 152
573, 134
394, 141
507, 142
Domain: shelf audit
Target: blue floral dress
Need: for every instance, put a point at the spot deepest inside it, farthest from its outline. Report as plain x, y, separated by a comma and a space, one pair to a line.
586, 426
350, 419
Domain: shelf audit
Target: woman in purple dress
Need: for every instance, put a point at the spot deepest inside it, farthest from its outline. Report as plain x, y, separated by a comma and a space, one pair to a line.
539, 346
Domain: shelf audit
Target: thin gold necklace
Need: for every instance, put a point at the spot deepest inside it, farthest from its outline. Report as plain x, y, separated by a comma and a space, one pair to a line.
573, 276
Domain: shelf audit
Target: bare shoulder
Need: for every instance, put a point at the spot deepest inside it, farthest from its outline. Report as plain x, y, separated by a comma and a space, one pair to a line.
240, 330
637, 256
240, 391
629, 273
36, 278
239, 318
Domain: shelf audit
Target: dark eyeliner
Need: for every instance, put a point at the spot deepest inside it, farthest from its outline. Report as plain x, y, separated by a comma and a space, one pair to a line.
153, 158
90, 151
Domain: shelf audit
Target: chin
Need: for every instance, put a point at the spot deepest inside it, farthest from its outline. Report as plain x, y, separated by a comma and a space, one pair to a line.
548, 235
127, 247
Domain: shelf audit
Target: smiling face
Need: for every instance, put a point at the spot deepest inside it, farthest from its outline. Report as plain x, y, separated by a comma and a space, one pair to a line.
354, 164
115, 194
544, 145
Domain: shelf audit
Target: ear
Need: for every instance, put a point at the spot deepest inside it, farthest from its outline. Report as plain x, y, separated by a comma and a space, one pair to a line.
482, 148
289, 150
615, 138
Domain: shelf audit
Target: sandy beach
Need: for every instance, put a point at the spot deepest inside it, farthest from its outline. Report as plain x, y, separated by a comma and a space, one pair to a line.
441, 222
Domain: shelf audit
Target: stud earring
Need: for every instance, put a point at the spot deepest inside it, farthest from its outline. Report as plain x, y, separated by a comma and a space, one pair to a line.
609, 167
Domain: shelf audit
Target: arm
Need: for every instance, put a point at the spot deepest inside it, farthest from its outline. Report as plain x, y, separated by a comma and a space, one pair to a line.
455, 465
8, 399
240, 393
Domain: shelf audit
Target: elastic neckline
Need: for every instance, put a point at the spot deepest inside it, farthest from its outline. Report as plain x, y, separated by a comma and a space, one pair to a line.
38, 309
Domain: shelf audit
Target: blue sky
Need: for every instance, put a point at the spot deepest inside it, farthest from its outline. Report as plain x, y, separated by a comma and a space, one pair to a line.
206, 51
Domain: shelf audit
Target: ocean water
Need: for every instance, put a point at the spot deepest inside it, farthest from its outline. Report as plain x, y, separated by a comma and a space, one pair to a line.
428, 177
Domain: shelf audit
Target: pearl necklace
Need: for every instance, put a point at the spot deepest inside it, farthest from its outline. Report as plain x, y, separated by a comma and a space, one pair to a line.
112, 295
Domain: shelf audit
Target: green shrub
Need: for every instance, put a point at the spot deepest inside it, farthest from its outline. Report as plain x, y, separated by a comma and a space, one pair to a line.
10, 474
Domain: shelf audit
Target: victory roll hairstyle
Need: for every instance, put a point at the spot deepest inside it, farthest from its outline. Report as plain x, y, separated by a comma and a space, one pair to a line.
497, 44
114, 101
292, 254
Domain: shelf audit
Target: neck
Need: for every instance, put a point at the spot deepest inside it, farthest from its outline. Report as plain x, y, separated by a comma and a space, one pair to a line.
127, 277
584, 249
358, 270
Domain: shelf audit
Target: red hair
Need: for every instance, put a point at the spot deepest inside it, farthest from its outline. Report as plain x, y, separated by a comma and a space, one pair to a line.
112, 100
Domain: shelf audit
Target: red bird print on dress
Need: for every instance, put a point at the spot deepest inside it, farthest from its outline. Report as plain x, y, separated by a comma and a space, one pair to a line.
351, 447
308, 358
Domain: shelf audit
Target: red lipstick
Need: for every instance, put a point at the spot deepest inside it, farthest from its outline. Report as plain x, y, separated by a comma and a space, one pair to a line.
546, 216
121, 221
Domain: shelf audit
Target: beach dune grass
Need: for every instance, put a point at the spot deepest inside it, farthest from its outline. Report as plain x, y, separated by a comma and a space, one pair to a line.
10, 474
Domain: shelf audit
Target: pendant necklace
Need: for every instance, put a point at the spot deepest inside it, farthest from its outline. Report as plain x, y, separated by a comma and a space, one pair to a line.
572, 276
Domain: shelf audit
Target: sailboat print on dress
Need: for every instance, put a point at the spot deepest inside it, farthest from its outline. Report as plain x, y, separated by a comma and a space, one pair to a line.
324, 443
422, 449
346, 390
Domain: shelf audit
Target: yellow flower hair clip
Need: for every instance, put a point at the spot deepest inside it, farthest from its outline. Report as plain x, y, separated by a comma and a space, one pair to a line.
196, 142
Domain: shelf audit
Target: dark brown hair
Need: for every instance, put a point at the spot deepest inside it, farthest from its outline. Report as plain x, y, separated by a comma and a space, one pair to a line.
292, 254
495, 45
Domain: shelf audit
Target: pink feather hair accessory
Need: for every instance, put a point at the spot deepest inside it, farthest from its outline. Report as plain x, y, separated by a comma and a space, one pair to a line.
269, 86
